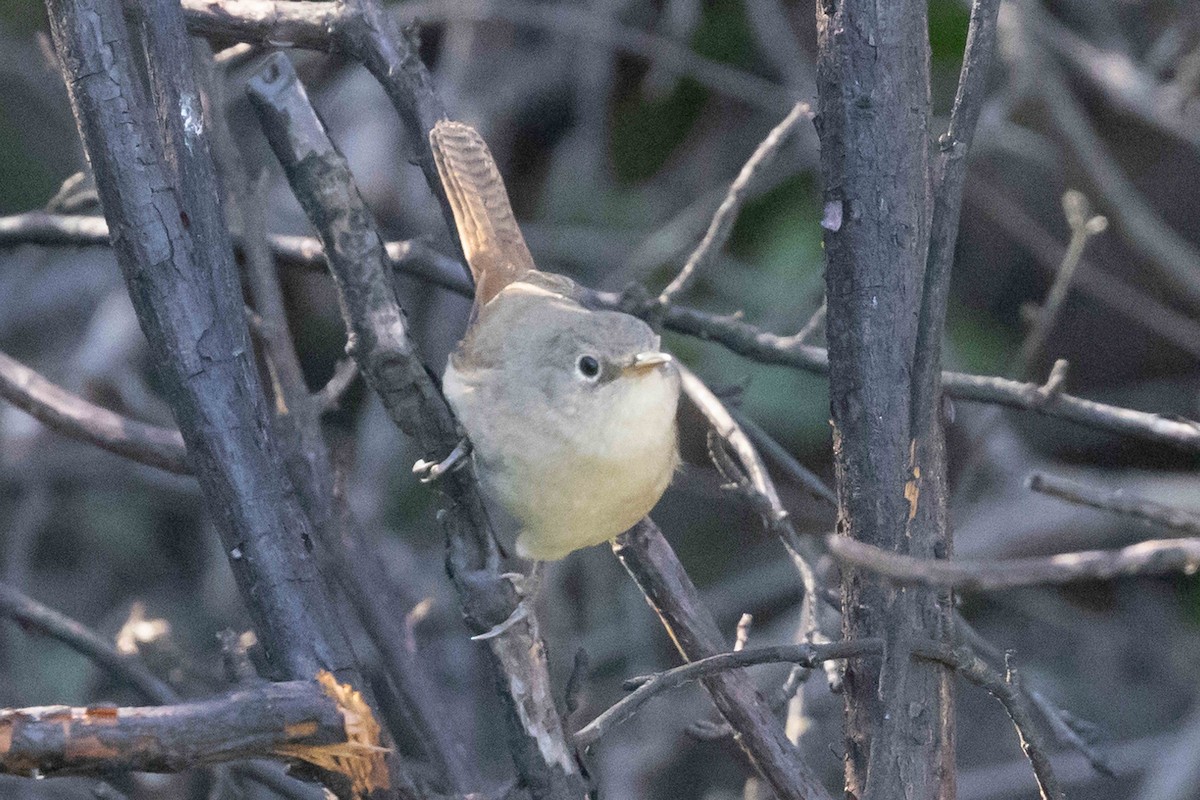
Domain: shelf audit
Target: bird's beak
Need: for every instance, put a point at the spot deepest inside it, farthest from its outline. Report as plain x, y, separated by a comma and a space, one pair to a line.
643, 363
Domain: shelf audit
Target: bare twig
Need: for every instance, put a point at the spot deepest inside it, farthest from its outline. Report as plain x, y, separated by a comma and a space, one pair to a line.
1180, 330
1171, 256
417, 259
645, 688
301, 252
130, 669
1155, 557
722, 222
1177, 519
815, 323
748, 474
1083, 227
1003, 687
330, 395
779, 455
73, 416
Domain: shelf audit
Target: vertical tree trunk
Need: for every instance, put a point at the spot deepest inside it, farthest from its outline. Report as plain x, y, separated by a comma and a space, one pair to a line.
873, 115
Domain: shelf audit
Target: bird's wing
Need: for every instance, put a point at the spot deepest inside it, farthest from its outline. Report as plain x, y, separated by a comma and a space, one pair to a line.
495, 249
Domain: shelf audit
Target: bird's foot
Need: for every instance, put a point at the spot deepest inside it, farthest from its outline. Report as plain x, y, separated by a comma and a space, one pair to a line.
429, 471
527, 587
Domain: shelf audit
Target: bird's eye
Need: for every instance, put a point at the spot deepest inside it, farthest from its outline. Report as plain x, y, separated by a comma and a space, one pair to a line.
588, 366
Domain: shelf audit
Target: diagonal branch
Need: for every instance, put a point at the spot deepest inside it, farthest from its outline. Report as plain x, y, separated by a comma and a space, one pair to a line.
721, 225
388, 359
654, 566
73, 416
1177, 519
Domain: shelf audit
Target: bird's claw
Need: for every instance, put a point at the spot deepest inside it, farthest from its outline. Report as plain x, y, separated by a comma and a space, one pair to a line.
527, 587
429, 471
519, 613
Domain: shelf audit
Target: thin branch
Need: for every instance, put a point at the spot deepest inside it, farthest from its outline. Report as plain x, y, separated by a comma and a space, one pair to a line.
750, 476
722, 222
1171, 256
75, 417
1156, 557
412, 257
1004, 688
416, 259
1083, 227
392, 367
329, 396
1117, 501
815, 323
951, 173
776, 452
654, 566
970, 638
1180, 330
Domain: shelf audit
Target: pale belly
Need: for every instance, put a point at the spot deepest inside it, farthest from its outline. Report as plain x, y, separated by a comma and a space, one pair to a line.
569, 491
588, 500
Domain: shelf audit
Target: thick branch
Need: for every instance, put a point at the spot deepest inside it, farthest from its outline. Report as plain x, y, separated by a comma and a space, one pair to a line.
391, 365
872, 119
73, 416
263, 722
1156, 557
175, 254
656, 569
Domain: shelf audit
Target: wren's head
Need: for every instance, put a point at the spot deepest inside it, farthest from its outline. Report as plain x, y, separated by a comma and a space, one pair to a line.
595, 369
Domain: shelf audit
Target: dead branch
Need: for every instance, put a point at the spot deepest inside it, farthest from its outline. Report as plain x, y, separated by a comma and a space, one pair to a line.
872, 120
1005, 688
298, 720
159, 192
416, 259
647, 687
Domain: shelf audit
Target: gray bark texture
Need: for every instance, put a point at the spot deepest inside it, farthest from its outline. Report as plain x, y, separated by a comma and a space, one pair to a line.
873, 120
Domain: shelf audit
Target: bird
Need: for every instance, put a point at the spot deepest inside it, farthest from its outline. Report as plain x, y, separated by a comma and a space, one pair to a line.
570, 411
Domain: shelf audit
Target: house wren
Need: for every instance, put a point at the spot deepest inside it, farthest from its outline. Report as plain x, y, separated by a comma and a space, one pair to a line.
570, 411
